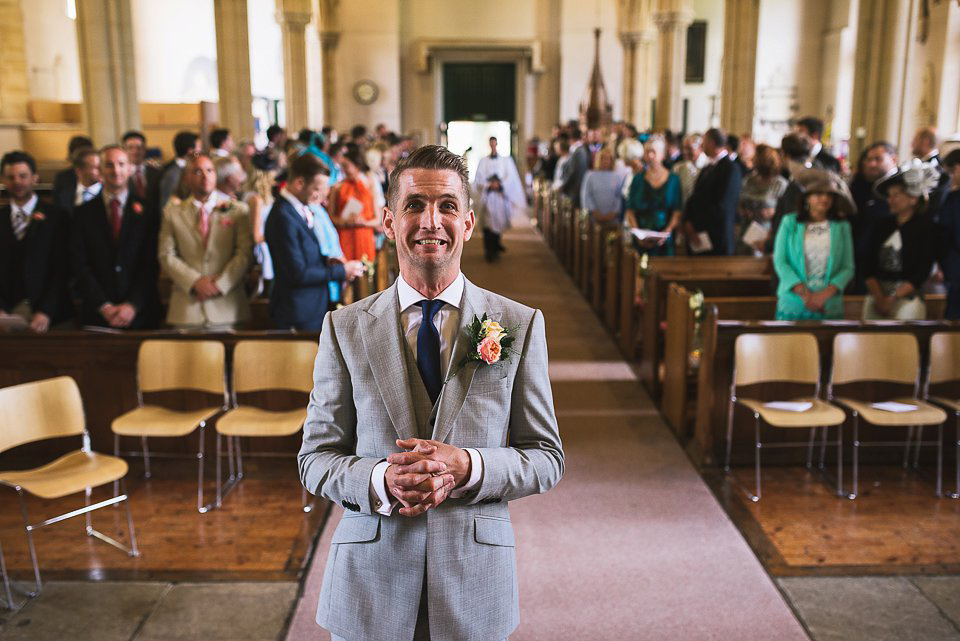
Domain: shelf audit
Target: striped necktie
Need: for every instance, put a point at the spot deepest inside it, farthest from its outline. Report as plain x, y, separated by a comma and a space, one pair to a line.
19, 220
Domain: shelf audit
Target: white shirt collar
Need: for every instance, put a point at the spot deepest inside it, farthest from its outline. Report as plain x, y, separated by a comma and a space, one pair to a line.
93, 189
817, 148
120, 195
302, 209
207, 204
409, 297
721, 154
181, 162
27, 207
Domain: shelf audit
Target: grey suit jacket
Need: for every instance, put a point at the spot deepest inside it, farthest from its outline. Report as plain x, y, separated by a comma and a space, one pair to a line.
461, 552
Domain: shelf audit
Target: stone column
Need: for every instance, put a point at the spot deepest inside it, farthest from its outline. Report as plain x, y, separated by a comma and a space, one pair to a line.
107, 69
629, 40
14, 88
294, 16
646, 77
329, 30
233, 67
877, 87
740, 33
672, 19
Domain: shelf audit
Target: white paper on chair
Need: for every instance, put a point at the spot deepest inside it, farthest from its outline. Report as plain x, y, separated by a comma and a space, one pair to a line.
893, 406
789, 406
644, 234
700, 243
755, 233
352, 211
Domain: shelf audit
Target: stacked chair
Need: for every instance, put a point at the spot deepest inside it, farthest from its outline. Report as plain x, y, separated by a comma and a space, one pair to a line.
50, 409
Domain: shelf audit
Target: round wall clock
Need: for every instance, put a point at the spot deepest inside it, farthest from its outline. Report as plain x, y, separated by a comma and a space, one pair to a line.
365, 92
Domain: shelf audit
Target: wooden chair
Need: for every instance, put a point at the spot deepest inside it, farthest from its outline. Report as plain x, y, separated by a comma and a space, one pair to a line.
165, 365
945, 368
891, 358
262, 366
782, 358
49, 409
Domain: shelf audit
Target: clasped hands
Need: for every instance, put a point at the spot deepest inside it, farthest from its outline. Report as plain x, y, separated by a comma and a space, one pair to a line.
815, 301
205, 288
423, 476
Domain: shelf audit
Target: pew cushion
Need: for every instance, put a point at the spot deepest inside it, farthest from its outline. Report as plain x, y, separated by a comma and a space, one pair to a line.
252, 421
151, 420
925, 414
68, 474
821, 414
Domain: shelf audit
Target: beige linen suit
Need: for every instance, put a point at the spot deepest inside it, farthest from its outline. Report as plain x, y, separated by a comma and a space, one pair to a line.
227, 255
368, 393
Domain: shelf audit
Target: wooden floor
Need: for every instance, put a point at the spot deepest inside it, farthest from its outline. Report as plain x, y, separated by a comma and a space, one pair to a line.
801, 528
260, 533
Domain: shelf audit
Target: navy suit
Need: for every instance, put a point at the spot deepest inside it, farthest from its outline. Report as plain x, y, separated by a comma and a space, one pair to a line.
712, 207
37, 267
300, 295
65, 189
116, 272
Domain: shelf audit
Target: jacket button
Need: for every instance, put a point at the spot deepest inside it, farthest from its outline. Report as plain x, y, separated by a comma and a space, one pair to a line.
118, 268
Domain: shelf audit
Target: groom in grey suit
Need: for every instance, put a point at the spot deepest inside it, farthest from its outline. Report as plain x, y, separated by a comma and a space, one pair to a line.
423, 451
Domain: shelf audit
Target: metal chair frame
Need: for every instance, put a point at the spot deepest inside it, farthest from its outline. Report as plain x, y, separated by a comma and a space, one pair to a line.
759, 445
202, 507
118, 498
8, 603
906, 444
956, 413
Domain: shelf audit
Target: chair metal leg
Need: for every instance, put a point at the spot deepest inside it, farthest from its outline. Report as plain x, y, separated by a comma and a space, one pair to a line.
6, 581
856, 456
200, 505
231, 465
839, 458
906, 447
86, 501
116, 452
813, 437
823, 448
956, 492
726, 460
33, 550
939, 492
756, 456
239, 458
134, 550
219, 482
146, 458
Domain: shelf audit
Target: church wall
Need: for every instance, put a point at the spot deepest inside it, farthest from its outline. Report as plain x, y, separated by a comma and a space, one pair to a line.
266, 50
369, 49
577, 22
703, 106
53, 66
839, 50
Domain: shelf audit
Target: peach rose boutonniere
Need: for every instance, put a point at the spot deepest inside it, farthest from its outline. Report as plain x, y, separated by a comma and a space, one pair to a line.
488, 343
38, 216
137, 208
223, 206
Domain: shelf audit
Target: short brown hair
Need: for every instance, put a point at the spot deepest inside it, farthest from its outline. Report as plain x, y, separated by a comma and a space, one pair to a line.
766, 161
429, 157
307, 166
79, 157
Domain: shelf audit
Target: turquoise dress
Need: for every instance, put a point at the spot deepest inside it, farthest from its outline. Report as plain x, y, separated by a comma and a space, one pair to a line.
790, 262
655, 207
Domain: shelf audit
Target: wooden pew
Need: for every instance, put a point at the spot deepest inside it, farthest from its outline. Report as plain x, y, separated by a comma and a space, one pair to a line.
578, 242
714, 377
644, 288
614, 253
601, 235
680, 338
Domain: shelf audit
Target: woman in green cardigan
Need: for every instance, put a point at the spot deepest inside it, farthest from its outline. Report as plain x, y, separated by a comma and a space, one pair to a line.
813, 253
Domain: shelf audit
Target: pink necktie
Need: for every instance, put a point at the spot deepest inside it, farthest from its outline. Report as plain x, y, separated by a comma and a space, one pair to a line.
203, 225
115, 218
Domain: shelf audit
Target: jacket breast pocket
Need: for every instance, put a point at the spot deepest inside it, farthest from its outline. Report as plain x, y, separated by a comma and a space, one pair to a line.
493, 531
357, 529
491, 382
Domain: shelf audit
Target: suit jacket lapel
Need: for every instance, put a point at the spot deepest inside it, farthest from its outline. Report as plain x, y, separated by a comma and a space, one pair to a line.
458, 378
384, 344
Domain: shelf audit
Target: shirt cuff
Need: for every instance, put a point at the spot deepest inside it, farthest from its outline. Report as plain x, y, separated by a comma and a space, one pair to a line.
382, 503
476, 473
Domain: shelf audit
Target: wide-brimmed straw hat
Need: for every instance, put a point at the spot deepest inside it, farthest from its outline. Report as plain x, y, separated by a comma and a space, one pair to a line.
917, 178
820, 181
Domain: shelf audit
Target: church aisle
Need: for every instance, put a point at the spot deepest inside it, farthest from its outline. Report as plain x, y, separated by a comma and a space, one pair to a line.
631, 544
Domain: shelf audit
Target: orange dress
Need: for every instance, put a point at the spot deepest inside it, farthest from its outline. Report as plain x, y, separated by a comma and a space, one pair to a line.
356, 242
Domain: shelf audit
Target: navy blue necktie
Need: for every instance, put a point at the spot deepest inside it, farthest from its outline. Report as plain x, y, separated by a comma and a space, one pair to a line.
428, 349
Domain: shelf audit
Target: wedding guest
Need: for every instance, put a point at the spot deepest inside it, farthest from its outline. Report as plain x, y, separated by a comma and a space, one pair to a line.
812, 129
653, 202
145, 178
575, 168
759, 193
351, 208
115, 252
602, 188
65, 181
327, 236
86, 167
903, 248
205, 248
813, 253
561, 148
924, 148
689, 168
302, 273
711, 211
948, 217
879, 161
185, 144
221, 143
33, 250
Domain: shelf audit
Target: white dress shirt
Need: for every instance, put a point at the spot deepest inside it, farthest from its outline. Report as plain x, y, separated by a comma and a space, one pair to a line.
84, 194
120, 195
446, 321
26, 211
302, 209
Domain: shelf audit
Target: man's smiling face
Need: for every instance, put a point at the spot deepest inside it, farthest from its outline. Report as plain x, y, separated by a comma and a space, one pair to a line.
430, 224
